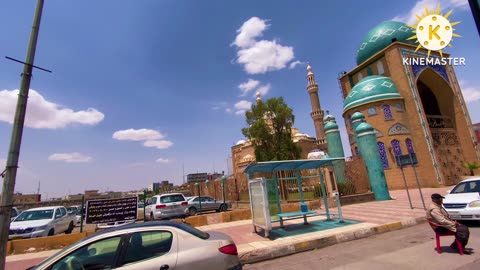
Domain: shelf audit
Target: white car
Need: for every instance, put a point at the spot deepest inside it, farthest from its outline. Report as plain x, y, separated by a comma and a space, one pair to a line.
163, 245
463, 201
165, 206
42, 221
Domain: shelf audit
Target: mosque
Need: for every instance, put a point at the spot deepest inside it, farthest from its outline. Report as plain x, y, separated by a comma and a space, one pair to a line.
415, 109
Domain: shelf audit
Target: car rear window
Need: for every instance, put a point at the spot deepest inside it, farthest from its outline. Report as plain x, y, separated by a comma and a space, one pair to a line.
194, 231
172, 198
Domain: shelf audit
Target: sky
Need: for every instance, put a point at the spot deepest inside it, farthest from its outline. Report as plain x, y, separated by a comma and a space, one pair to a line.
142, 89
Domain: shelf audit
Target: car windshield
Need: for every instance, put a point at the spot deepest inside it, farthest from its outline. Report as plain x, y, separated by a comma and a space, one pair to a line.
467, 187
172, 198
35, 215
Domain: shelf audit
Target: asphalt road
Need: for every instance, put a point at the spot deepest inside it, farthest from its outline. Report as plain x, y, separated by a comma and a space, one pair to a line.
410, 248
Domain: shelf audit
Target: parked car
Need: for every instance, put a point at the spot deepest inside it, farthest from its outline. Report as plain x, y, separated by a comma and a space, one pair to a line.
148, 246
164, 206
15, 212
463, 201
75, 212
204, 203
42, 221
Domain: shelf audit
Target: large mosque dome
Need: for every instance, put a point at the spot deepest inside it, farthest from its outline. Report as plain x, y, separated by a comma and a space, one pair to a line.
381, 36
370, 89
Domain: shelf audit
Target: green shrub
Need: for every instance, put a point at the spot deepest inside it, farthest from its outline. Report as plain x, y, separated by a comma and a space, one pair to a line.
346, 188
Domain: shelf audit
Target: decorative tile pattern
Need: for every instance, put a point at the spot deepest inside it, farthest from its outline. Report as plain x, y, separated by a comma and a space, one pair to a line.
387, 113
409, 144
387, 84
383, 154
378, 134
397, 129
372, 111
369, 87
440, 69
397, 148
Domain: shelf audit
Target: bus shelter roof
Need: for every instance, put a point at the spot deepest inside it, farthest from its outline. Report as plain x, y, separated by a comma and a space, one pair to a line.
287, 165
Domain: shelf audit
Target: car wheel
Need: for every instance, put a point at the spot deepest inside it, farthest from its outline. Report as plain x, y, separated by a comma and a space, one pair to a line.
70, 228
192, 211
51, 232
223, 208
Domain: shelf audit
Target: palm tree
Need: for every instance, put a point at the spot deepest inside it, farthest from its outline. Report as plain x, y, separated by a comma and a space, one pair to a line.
471, 166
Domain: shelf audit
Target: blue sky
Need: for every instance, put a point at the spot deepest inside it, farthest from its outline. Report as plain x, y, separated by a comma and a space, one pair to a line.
141, 87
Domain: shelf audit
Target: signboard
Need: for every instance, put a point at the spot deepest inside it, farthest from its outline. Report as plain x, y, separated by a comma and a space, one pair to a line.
259, 204
404, 160
111, 210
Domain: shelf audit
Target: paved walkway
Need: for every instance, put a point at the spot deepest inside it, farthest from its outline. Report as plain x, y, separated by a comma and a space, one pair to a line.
363, 220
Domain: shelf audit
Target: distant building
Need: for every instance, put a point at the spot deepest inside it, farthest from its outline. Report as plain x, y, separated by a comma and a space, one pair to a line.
162, 186
153, 186
20, 198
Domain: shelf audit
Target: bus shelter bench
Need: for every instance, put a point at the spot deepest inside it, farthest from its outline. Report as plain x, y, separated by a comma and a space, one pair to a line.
296, 215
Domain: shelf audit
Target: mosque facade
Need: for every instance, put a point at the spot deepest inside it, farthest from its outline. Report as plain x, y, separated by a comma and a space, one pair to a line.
414, 109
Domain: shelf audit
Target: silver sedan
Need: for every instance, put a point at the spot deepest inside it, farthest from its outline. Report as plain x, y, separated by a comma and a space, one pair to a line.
204, 203
163, 245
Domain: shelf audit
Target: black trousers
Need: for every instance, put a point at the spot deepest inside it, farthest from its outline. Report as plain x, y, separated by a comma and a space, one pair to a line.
462, 234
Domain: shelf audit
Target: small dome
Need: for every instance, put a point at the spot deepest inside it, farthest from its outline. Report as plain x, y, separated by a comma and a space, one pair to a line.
328, 118
363, 127
370, 89
330, 126
316, 155
357, 115
240, 142
381, 36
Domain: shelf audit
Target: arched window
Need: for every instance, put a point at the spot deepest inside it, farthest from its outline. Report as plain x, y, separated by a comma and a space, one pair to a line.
387, 113
399, 107
409, 144
357, 153
397, 149
350, 120
380, 68
383, 154
372, 111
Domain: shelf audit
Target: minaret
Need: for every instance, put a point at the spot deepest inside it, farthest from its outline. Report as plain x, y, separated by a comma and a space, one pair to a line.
317, 112
259, 99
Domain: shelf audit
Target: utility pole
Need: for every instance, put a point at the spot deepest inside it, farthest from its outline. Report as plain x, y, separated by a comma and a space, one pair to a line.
17, 131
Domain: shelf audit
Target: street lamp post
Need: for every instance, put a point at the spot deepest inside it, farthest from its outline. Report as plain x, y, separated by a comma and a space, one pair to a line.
224, 179
198, 194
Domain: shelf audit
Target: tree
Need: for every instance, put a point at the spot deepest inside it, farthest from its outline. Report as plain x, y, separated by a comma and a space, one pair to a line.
471, 166
270, 130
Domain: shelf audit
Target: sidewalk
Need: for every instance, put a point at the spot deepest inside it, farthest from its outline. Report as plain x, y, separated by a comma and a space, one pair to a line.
362, 220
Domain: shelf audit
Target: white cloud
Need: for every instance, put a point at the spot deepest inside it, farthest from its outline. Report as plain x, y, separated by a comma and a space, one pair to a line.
70, 157
470, 94
250, 29
264, 89
419, 8
228, 110
248, 86
242, 106
163, 160
137, 135
163, 144
295, 64
42, 113
263, 55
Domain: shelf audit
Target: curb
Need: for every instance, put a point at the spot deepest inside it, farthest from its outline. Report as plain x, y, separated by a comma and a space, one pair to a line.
263, 254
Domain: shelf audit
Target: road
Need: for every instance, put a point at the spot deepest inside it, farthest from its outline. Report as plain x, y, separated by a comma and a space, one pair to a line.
410, 248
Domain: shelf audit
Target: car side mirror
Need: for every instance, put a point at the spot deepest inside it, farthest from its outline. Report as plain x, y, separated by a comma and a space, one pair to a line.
92, 251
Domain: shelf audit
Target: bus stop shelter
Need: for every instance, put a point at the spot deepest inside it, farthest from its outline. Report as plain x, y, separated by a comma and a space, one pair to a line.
264, 193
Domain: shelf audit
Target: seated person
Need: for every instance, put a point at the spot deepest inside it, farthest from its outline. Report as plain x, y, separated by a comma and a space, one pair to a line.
439, 216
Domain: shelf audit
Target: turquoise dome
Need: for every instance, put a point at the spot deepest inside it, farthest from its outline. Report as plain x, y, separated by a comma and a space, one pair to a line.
363, 127
330, 126
357, 115
329, 118
381, 36
370, 89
